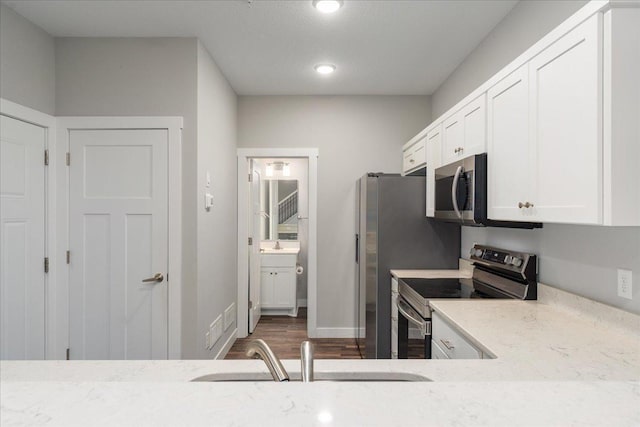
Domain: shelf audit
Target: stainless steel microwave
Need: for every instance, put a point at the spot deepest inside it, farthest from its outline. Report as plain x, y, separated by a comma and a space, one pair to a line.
461, 194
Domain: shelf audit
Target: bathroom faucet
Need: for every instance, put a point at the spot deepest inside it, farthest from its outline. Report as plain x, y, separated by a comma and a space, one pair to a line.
277, 246
306, 361
259, 349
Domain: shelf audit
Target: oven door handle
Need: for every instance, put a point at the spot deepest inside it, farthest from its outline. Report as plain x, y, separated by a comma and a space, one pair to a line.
454, 192
413, 319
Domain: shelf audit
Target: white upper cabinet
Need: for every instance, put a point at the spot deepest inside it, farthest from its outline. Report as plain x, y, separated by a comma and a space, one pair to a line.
508, 148
565, 127
433, 147
414, 155
464, 132
560, 124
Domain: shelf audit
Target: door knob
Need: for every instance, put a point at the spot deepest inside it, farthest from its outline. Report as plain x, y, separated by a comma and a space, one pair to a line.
157, 278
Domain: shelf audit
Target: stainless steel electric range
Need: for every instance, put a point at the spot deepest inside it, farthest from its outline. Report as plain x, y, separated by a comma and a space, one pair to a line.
498, 273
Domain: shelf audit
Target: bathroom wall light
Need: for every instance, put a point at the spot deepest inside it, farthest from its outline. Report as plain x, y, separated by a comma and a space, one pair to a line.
327, 6
325, 68
278, 166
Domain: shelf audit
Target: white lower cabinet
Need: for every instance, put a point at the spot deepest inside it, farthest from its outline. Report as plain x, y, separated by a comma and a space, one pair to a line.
448, 343
278, 284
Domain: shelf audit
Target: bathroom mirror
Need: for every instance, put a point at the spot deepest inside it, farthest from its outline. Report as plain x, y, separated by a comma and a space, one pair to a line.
279, 206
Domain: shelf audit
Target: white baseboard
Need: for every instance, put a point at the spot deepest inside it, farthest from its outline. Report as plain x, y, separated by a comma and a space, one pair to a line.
336, 332
302, 302
227, 345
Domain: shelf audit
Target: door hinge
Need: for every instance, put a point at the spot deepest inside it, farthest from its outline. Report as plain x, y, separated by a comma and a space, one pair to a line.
250, 305
46, 157
250, 241
68, 351
46, 265
250, 177
68, 257
68, 159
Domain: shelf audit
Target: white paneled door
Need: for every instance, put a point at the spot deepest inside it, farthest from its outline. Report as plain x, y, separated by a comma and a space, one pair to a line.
255, 283
22, 240
118, 233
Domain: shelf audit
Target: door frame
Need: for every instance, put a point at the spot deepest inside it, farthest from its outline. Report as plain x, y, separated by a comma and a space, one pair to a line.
48, 123
173, 125
245, 154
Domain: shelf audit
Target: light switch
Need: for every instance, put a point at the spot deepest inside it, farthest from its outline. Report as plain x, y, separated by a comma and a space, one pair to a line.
208, 201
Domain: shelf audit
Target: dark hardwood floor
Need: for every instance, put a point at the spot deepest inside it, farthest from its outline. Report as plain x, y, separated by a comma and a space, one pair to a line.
284, 335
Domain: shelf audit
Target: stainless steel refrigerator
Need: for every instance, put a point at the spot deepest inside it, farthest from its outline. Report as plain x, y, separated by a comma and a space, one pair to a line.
394, 233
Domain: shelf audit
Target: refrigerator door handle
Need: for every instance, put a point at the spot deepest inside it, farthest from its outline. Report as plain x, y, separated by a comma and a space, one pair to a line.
357, 248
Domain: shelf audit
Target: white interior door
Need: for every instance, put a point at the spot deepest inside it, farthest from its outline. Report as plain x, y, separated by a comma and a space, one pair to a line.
118, 226
22, 240
255, 304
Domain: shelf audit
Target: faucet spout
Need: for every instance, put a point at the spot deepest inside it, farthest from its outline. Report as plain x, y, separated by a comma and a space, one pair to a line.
259, 349
306, 361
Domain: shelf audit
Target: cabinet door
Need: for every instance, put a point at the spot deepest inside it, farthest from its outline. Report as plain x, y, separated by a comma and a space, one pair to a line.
266, 287
433, 147
452, 138
473, 117
508, 147
284, 287
565, 107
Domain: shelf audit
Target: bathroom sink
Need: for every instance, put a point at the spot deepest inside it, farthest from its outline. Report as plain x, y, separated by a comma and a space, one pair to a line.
319, 376
281, 251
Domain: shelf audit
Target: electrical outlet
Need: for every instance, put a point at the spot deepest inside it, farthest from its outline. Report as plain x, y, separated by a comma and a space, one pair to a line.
207, 340
216, 330
229, 315
625, 289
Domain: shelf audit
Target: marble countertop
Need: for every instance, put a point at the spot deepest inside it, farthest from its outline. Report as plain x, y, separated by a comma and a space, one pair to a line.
552, 367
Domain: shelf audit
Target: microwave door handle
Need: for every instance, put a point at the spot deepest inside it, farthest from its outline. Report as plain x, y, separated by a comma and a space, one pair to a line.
454, 192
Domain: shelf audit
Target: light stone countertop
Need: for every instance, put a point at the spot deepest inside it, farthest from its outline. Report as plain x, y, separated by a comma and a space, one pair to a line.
553, 367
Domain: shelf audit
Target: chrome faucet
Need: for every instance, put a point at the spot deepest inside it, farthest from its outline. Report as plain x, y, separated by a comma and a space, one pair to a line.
259, 349
306, 361
277, 246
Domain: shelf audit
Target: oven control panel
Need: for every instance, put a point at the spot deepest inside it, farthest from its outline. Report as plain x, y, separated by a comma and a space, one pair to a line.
496, 256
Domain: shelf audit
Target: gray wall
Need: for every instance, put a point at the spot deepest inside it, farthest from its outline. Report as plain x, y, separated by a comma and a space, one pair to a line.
355, 135
141, 77
27, 63
580, 259
217, 228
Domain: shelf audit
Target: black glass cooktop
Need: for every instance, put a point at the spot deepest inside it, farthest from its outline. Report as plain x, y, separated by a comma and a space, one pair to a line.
435, 288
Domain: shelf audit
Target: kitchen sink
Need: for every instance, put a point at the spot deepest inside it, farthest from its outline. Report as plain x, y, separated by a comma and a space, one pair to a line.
318, 376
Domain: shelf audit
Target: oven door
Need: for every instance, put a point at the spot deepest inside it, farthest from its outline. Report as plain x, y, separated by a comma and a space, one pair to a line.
414, 332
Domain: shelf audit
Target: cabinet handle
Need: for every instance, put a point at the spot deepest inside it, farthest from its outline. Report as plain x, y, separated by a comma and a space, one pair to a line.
525, 205
411, 161
447, 344
520, 205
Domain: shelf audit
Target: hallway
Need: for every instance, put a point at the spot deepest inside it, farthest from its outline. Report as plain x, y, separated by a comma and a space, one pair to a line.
284, 335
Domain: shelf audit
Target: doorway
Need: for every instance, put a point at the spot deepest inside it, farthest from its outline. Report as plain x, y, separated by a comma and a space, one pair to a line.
277, 224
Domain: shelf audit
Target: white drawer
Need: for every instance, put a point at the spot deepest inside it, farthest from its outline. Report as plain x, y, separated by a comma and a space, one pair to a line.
454, 345
437, 352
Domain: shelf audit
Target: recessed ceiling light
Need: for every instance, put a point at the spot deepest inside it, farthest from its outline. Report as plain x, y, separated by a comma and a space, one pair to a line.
325, 68
327, 6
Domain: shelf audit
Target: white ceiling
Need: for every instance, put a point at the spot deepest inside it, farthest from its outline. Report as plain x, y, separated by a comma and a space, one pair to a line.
270, 47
